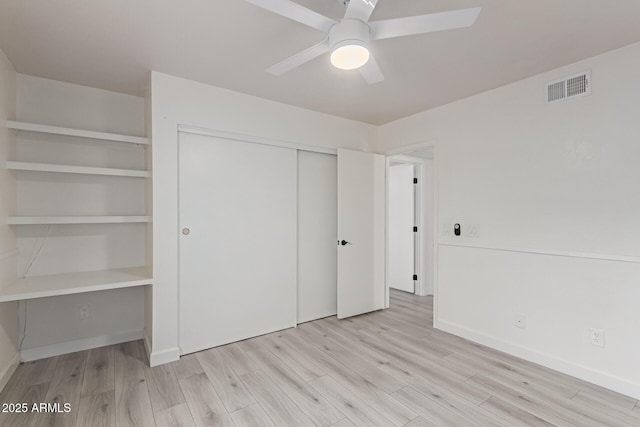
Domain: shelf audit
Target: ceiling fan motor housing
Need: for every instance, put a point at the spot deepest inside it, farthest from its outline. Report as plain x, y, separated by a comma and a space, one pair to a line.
349, 32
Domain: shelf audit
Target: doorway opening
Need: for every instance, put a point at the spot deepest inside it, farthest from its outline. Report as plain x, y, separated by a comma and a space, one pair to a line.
411, 224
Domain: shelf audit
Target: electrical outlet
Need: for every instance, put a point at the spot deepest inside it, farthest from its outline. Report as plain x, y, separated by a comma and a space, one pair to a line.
84, 312
597, 337
520, 321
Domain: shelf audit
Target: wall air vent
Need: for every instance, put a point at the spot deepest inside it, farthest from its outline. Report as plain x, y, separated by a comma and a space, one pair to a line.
569, 87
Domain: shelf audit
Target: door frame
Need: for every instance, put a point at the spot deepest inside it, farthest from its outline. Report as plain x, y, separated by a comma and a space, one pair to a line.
402, 155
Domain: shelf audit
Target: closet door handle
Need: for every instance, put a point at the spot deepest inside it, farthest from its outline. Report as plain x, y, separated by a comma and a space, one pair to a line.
344, 243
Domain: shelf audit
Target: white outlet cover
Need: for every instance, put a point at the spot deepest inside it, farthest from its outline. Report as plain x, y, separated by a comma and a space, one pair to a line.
597, 337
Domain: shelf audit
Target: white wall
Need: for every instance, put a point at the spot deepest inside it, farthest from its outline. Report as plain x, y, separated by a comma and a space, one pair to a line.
9, 357
552, 190
179, 101
52, 323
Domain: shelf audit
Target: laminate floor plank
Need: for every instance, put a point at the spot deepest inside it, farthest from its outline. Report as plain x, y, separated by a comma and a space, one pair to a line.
133, 405
357, 383
65, 388
237, 359
351, 360
176, 416
628, 416
515, 416
99, 376
252, 416
453, 398
546, 409
514, 374
30, 395
40, 371
349, 403
420, 422
298, 361
97, 410
205, 405
164, 390
315, 407
430, 409
187, 366
228, 386
280, 408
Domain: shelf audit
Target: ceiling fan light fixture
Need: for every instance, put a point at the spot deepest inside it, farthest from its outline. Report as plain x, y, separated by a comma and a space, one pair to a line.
349, 55
349, 41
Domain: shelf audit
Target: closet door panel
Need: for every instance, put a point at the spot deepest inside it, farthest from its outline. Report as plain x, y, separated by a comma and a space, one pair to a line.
238, 243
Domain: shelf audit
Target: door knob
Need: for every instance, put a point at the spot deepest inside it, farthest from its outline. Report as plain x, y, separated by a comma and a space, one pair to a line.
186, 231
344, 243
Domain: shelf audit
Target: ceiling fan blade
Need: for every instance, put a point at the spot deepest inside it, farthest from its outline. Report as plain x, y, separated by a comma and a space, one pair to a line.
360, 9
423, 23
294, 11
371, 72
299, 59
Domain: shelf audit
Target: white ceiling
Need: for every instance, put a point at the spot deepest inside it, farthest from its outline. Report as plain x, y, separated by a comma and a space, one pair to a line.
114, 44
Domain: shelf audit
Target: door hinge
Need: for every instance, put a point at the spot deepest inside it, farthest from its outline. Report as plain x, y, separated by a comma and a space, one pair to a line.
415, 229
415, 180
415, 277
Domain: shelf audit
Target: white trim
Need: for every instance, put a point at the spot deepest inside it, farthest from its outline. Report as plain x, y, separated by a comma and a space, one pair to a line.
9, 370
81, 133
255, 139
8, 254
569, 254
602, 379
45, 351
413, 147
164, 356
147, 345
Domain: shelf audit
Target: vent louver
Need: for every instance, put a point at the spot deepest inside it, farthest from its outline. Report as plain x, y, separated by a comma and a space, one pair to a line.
569, 87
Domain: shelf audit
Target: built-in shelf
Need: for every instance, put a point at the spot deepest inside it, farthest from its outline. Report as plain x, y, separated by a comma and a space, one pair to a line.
81, 133
74, 283
86, 170
96, 219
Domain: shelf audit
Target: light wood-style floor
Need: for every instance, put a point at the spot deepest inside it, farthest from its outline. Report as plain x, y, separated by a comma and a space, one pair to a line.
388, 368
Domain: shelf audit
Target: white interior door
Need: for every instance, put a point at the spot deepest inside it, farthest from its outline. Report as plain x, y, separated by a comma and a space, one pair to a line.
401, 222
361, 232
238, 244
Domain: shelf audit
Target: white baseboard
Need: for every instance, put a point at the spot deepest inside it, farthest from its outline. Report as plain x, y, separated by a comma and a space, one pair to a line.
585, 373
45, 351
147, 346
164, 356
9, 370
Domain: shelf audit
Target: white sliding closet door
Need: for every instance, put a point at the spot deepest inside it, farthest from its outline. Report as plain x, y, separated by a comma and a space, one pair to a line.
238, 245
317, 230
361, 232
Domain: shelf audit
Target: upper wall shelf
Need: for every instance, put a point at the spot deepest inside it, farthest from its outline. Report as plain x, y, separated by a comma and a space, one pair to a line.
94, 219
87, 170
32, 127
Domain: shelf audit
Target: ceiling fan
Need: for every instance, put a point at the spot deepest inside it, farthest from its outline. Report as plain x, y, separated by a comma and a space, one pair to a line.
348, 39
